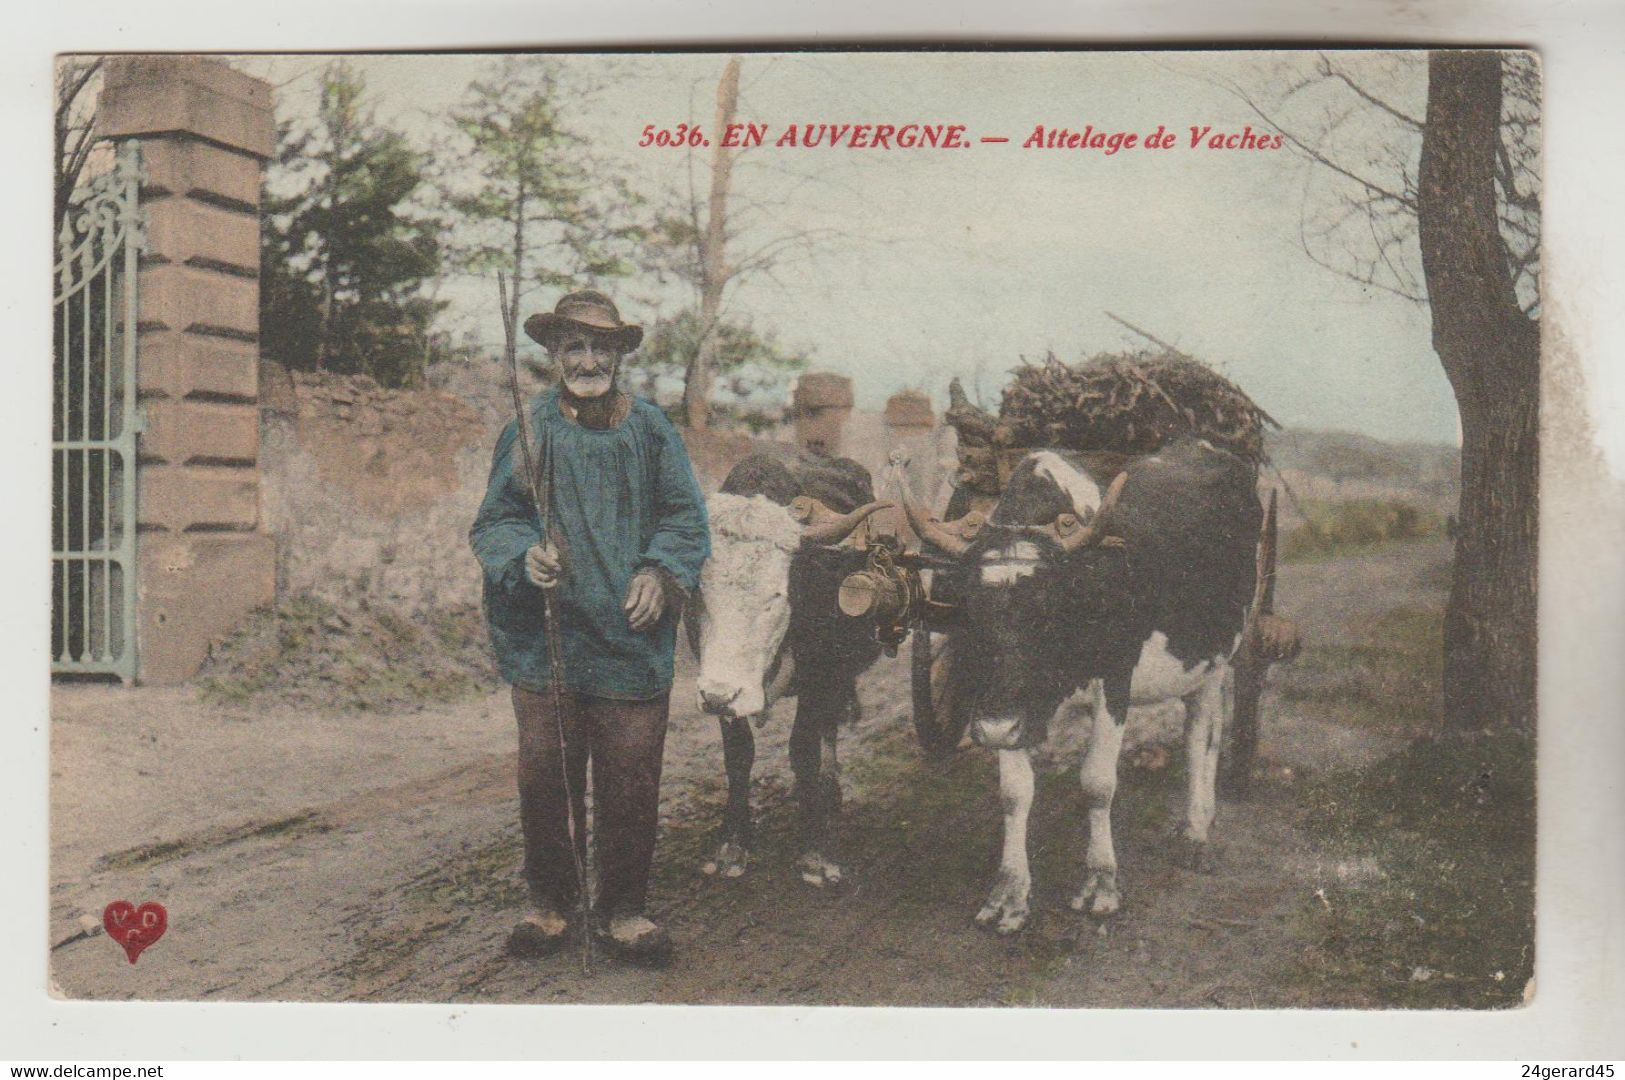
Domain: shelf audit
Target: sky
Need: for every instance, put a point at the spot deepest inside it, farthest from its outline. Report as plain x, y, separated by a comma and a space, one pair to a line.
965, 262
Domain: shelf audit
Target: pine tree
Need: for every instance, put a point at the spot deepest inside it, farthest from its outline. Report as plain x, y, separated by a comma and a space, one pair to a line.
344, 258
529, 198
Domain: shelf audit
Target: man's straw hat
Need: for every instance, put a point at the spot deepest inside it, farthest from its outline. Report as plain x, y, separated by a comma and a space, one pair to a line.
585, 310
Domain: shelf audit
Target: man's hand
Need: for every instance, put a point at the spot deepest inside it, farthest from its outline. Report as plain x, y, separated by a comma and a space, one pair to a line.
542, 566
645, 600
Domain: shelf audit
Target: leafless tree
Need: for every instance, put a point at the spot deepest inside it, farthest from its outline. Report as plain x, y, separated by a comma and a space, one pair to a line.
1489, 343
713, 254
1359, 119
1426, 184
729, 235
75, 126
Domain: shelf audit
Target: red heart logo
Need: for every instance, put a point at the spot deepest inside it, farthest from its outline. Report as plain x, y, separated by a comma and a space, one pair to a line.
135, 927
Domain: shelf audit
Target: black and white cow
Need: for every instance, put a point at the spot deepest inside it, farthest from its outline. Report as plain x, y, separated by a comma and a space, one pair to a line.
765, 624
1131, 581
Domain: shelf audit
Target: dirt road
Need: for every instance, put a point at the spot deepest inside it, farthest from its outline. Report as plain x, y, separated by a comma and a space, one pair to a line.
374, 857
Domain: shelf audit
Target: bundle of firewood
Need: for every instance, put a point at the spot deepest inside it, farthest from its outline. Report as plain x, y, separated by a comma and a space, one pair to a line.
1115, 403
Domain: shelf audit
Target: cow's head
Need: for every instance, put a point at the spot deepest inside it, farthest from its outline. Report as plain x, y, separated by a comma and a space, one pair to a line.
1036, 584
743, 603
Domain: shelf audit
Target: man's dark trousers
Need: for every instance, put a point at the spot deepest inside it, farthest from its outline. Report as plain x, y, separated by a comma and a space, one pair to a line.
625, 741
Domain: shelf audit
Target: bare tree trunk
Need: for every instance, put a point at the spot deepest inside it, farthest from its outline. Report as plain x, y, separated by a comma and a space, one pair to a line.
325, 329
329, 232
512, 314
714, 268
1490, 351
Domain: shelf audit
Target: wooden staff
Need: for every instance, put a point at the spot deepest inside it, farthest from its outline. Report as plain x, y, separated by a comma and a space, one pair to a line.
541, 495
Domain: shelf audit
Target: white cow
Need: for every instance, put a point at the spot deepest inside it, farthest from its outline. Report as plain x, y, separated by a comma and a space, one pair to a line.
766, 624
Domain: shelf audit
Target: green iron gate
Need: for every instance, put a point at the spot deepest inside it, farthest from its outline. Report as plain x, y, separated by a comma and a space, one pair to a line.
94, 424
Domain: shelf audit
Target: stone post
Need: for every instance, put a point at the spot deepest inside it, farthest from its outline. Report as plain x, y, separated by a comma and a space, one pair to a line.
205, 560
911, 426
908, 412
822, 404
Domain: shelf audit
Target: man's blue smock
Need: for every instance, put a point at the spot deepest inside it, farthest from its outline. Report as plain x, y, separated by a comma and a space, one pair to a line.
624, 498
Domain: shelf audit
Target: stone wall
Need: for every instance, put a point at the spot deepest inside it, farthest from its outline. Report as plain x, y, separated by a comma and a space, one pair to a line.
370, 492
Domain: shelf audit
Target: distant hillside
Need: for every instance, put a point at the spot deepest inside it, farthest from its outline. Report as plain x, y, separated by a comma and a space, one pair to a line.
1335, 465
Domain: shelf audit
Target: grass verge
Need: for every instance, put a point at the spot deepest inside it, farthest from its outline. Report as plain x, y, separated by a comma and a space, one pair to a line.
1390, 680
1336, 527
1426, 891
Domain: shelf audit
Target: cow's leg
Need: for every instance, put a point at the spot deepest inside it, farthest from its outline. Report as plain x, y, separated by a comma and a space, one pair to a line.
1204, 733
818, 865
829, 765
829, 772
1098, 777
812, 734
1006, 907
732, 855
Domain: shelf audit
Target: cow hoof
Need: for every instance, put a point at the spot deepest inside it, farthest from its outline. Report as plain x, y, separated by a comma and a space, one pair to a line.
1002, 921
1013, 922
730, 861
1006, 909
1198, 855
819, 872
1099, 896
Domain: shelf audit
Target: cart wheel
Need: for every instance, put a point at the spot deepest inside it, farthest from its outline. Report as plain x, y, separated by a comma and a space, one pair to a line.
930, 655
1251, 664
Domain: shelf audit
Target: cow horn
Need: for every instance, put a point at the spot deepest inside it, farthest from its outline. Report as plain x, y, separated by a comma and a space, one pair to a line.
1072, 537
953, 537
821, 525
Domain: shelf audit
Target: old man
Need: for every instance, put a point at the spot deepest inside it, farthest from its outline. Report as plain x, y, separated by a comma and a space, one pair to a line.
628, 537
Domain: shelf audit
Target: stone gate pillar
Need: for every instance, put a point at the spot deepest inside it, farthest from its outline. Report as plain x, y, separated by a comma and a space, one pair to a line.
205, 560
